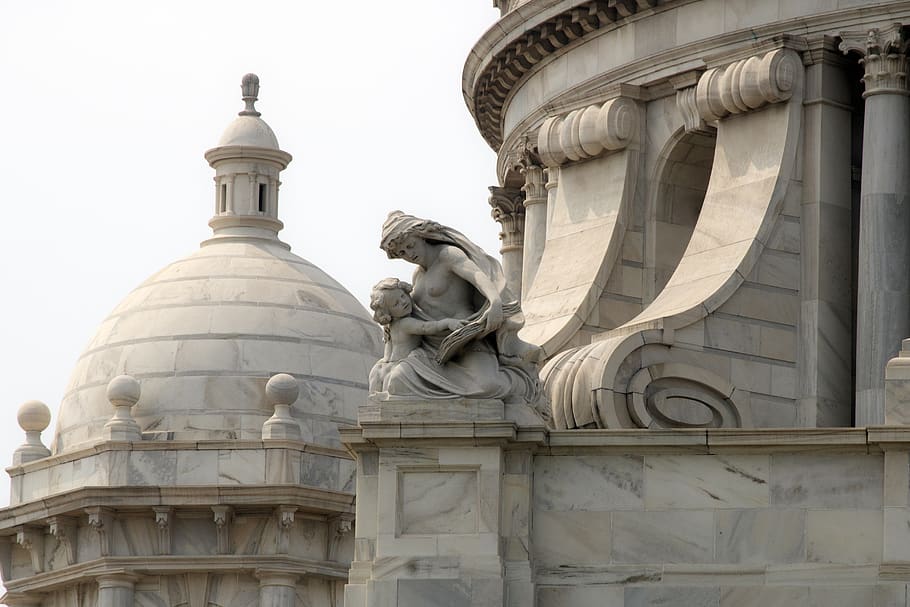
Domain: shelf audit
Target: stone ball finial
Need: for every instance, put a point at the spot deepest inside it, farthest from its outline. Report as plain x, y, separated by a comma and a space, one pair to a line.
33, 416
250, 87
123, 390
282, 389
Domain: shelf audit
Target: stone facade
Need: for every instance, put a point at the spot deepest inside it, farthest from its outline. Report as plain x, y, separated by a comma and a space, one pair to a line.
713, 261
703, 206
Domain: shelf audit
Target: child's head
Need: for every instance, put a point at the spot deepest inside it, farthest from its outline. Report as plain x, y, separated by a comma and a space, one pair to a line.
390, 299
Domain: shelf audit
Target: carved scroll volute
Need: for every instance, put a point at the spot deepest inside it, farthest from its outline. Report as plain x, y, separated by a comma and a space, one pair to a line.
746, 85
548, 145
588, 132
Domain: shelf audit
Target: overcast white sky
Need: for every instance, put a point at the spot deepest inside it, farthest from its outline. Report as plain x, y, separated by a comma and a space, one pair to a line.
109, 107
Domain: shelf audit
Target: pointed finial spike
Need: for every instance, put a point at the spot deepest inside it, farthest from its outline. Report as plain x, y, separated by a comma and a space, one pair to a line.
250, 88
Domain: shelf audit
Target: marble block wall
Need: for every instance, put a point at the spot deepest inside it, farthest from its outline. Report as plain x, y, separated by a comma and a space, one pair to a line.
724, 527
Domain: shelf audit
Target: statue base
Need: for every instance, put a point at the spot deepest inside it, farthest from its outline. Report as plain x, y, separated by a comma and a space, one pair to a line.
443, 503
443, 410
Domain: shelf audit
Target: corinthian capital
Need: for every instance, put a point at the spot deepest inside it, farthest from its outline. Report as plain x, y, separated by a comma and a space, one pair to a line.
509, 211
884, 52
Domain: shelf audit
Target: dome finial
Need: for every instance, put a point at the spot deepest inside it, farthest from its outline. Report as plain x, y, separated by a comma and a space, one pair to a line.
250, 87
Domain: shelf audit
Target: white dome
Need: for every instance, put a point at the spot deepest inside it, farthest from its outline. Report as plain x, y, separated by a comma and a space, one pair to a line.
204, 335
249, 131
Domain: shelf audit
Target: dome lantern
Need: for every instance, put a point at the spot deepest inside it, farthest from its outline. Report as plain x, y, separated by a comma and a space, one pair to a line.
247, 163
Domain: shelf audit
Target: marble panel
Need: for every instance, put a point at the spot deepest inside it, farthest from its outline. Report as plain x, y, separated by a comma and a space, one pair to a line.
896, 534
679, 596
764, 596
435, 593
826, 481
699, 20
319, 471
197, 467
152, 468
761, 303
844, 536
655, 33
706, 481
574, 596
890, 595
571, 539
841, 596
438, 502
760, 536
739, 14
751, 375
241, 466
193, 536
591, 482
663, 537
897, 479
282, 466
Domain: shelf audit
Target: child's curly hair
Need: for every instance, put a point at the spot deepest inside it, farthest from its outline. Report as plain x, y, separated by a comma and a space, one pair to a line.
378, 298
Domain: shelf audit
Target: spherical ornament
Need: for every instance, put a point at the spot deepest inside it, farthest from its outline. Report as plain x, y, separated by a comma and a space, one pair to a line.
123, 390
282, 389
33, 416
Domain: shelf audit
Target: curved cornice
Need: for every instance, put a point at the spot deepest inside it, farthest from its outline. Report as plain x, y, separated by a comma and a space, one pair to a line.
533, 32
523, 38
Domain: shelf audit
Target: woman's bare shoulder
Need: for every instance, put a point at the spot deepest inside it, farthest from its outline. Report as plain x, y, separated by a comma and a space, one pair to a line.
450, 254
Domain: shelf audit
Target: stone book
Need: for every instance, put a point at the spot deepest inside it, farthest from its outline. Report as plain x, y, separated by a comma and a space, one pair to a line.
457, 339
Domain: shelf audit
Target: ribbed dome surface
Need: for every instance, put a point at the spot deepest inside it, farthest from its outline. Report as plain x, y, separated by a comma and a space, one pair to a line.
203, 336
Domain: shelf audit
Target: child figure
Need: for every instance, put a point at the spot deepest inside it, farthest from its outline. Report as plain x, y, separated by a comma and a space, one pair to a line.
391, 303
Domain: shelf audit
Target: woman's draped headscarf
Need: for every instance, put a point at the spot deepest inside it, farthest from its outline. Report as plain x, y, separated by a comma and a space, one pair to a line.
398, 225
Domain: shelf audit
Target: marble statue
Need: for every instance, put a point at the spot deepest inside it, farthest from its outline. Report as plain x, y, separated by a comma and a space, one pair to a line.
456, 333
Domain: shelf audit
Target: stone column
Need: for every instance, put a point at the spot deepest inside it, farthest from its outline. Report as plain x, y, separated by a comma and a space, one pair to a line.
509, 212
276, 588
535, 202
883, 289
825, 353
116, 589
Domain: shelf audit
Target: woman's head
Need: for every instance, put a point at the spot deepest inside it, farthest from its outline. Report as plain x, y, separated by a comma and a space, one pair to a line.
390, 299
406, 237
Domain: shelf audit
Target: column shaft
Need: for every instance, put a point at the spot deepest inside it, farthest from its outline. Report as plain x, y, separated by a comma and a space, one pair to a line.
883, 264
535, 222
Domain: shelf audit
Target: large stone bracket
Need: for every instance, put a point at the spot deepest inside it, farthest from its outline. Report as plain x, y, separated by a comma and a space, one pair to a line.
607, 383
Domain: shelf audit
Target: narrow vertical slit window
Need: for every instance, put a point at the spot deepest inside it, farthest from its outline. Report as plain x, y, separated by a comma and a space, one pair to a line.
222, 207
263, 192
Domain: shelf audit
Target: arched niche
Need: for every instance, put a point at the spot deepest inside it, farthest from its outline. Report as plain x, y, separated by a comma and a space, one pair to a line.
676, 198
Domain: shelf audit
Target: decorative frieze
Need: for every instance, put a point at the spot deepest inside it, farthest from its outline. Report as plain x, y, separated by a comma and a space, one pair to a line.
884, 59
509, 212
588, 132
746, 85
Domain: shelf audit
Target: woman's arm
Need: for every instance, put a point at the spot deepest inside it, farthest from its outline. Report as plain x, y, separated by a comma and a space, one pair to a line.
414, 326
462, 266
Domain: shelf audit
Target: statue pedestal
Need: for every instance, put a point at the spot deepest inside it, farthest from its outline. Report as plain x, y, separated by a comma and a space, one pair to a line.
443, 502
